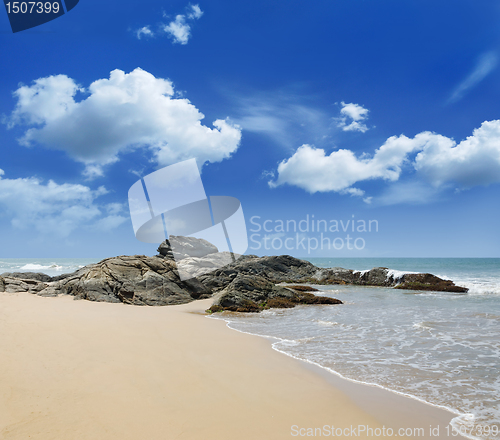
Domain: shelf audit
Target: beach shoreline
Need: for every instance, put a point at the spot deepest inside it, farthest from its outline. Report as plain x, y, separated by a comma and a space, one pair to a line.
81, 369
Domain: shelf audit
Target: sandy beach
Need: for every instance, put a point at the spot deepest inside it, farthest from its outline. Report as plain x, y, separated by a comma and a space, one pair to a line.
86, 370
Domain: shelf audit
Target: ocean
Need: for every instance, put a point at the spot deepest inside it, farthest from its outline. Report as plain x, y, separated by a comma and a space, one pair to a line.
49, 266
441, 348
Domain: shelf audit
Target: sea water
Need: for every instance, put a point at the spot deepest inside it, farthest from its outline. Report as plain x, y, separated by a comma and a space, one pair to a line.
441, 348
49, 266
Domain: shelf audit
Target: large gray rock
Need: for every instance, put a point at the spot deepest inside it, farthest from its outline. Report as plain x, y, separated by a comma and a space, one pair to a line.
276, 269
136, 279
253, 293
14, 285
38, 276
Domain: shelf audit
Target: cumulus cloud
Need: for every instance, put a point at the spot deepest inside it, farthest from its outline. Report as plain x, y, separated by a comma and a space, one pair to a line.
439, 162
178, 29
55, 209
485, 65
352, 117
312, 169
474, 161
124, 112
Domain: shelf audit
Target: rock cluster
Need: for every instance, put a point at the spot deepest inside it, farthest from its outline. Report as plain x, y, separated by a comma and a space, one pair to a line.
136, 279
249, 283
247, 293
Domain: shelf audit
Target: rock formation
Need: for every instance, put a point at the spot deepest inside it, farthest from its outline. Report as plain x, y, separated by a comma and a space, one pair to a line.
137, 279
253, 293
246, 284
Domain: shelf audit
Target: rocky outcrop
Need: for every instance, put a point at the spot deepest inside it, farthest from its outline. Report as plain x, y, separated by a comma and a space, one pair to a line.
426, 281
253, 293
250, 283
277, 269
16, 284
287, 269
136, 279
38, 276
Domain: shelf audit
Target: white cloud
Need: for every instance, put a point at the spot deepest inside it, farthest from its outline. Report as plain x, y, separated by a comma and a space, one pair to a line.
485, 65
195, 13
119, 114
179, 29
474, 161
144, 31
311, 169
55, 209
440, 162
352, 117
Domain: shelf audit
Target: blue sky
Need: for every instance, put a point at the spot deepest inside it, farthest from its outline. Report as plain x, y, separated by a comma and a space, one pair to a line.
340, 110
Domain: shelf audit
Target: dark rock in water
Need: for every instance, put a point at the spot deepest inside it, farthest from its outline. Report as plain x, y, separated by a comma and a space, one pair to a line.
186, 247
28, 276
137, 279
303, 288
287, 269
253, 293
427, 281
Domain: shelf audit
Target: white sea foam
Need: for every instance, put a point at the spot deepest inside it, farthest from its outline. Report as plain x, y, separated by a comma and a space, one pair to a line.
480, 288
397, 274
362, 272
56, 266
39, 267
326, 323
